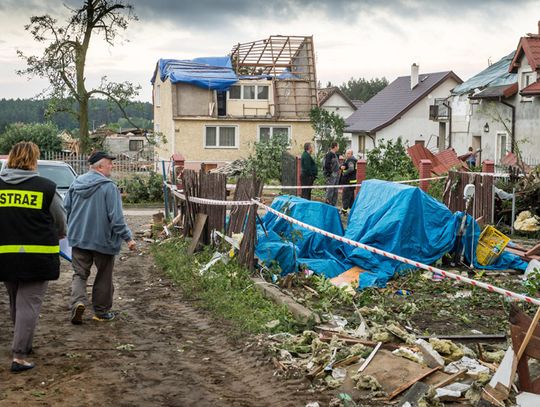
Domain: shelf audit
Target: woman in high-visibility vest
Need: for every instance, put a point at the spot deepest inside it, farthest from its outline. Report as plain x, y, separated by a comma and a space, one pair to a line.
32, 220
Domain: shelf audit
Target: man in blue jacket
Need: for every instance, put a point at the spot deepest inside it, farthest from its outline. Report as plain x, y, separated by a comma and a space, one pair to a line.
96, 228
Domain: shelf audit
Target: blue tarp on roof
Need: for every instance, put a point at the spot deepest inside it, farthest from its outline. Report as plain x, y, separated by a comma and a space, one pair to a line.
399, 219
494, 75
214, 73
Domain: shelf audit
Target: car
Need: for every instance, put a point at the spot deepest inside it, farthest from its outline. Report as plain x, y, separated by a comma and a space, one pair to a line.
59, 172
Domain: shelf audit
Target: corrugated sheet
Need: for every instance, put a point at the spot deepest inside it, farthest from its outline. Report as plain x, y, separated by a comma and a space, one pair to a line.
442, 162
494, 75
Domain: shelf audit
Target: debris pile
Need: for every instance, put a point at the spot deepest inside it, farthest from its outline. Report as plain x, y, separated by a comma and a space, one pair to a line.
380, 359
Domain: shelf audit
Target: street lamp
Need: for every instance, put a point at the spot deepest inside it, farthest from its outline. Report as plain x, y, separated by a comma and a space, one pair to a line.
486, 128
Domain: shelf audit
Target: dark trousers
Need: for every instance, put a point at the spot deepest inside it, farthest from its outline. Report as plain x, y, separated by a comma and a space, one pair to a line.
103, 289
25, 299
348, 197
306, 180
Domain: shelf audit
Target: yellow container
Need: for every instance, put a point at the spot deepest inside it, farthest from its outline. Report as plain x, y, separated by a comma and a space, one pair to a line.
490, 245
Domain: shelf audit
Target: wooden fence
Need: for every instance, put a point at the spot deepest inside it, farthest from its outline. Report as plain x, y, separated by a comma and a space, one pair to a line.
124, 167
483, 194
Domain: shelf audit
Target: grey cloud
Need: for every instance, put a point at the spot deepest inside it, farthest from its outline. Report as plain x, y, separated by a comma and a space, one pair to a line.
220, 14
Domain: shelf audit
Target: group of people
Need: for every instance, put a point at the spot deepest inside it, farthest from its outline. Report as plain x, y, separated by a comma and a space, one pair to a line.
335, 173
33, 218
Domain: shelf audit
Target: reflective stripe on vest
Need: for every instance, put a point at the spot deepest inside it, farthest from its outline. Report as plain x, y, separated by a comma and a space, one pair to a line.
353, 181
29, 248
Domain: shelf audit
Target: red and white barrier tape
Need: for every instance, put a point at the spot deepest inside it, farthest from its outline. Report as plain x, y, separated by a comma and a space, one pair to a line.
416, 264
206, 201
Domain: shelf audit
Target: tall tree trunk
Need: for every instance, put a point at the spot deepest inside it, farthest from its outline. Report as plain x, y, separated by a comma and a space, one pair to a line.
83, 125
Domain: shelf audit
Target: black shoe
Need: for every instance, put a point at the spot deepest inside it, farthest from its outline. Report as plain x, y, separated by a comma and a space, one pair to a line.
105, 317
17, 367
77, 313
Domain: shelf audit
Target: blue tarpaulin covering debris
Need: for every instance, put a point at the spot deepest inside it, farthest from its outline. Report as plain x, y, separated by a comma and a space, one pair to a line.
399, 219
214, 73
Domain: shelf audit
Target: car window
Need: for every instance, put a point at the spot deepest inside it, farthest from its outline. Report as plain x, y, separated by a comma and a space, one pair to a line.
62, 176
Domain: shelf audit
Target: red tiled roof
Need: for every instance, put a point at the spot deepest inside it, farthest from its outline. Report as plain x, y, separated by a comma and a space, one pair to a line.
532, 90
530, 46
442, 162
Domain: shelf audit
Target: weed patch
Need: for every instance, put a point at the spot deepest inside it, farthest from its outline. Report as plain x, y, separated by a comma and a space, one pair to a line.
226, 290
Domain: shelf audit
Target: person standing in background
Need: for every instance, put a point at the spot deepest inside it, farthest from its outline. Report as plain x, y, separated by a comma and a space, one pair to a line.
308, 170
33, 221
331, 173
348, 176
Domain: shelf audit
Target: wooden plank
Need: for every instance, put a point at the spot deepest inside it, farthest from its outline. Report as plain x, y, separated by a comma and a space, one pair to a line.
408, 384
534, 251
200, 223
451, 379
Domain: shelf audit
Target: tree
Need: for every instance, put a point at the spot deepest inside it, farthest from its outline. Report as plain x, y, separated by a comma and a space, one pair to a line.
328, 128
45, 135
63, 61
266, 161
362, 89
390, 161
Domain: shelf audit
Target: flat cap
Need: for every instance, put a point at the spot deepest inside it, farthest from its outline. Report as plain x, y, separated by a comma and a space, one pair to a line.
99, 155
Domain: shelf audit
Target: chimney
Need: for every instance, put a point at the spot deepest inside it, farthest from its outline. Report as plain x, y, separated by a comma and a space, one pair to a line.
414, 75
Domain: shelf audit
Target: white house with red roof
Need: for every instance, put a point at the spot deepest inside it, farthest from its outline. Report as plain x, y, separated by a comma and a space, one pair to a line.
498, 109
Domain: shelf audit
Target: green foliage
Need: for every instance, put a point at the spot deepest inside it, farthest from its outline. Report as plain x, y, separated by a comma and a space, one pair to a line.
143, 188
532, 283
390, 161
266, 162
436, 188
362, 89
328, 128
45, 135
225, 289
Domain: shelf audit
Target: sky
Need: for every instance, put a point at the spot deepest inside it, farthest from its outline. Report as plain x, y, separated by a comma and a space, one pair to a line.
369, 39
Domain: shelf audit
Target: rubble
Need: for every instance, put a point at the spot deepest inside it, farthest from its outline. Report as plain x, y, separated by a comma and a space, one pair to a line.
448, 349
527, 222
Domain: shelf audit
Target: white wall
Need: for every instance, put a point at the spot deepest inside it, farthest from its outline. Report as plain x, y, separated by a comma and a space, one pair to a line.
338, 105
415, 124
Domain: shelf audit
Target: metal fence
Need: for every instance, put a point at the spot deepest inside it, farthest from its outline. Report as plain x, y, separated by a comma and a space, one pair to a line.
124, 167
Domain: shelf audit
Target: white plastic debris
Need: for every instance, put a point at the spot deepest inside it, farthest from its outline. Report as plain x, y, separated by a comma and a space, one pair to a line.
474, 368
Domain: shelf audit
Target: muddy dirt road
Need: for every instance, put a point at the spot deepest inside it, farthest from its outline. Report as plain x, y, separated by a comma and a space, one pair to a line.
159, 351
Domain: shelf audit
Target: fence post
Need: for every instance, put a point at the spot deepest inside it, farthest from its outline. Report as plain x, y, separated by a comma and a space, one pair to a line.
488, 166
298, 175
361, 167
165, 189
425, 172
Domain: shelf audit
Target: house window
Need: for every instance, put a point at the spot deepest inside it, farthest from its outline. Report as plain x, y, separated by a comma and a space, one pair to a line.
268, 132
136, 145
235, 92
221, 137
502, 145
262, 92
361, 145
249, 92
157, 96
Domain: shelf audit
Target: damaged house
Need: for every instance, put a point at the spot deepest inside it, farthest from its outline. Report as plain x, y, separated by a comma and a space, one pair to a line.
214, 110
498, 110
402, 109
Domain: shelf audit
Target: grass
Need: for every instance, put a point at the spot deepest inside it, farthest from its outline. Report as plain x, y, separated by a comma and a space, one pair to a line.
226, 290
